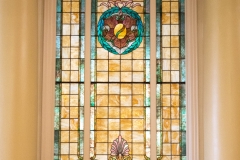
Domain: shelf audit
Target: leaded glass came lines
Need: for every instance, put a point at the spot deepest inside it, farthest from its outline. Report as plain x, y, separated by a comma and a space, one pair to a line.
171, 106
69, 106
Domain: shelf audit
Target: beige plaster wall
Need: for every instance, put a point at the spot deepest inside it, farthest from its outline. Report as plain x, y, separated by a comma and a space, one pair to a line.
18, 79
219, 59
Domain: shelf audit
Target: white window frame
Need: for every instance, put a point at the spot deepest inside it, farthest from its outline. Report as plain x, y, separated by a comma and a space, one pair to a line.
47, 41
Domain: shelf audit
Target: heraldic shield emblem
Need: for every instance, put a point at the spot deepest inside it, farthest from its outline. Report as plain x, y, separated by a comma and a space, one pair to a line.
120, 29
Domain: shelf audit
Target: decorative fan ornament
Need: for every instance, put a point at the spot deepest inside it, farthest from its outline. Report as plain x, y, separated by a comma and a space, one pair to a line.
120, 29
120, 149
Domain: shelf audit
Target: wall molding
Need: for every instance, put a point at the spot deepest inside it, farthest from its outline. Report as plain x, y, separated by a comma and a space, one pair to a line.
192, 80
48, 80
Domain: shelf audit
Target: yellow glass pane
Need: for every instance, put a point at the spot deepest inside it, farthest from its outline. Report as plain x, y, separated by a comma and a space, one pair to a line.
137, 88
165, 6
137, 100
65, 88
73, 148
138, 148
74, 136
175, 88
174, 7
138, 112
114, 100
74, 124
138, 53
175, 137
112, 135
114, 56
114, 76
174, 41
114, 112
75, 6
64, 136
126, 112
65, 41
175, 149
166, 88
101, 124
101, 136
174, 29
101, 8
74, 76
126, 88
102, 88
74, 52
138, 136
126, 124
175, 125
74, 112
65, 124
166, 18
102, 53
113, 124
166, 124
166, 53
166, 137
102, 76
102, 100
127, 135
166, 100
175, 112
75, 18
166, 64
175, 100
74, 64
126, 76
126, 100
74, 100
101, 148
167, 149
66, 6
102, 65
114, 65
175, 65
65, 100
64, 112
137, 65
66, 18
166, 112
114, 88
102, 112
65, 52
174, 18
138, 76
126, 65
64, 157
138, 124
165, 41
64, 148
174, 52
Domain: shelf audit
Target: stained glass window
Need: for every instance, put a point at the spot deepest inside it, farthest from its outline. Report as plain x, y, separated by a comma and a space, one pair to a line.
120, 79
69, 80
171, 105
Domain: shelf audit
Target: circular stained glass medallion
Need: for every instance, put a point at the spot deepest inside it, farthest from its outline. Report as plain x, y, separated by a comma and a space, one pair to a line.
120, 30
